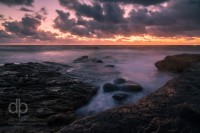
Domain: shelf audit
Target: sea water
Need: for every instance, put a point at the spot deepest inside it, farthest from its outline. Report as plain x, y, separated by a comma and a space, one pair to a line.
135, 63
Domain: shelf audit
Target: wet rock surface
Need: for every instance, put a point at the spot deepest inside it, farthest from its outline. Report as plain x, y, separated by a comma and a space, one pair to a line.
121, 84
177, 63
130, 86
110, 66
86, 59
109, 87
172, 108
120, 96
119, 81
51, 97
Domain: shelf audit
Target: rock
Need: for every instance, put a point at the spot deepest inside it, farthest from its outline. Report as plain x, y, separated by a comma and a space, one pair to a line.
57, 64
188, 112
59, 120
50, 73
44, 112
6, 73
177, 63
120, 96
46, 91
154, 112
109, 87
123, 85
86, 59
130, 86
81, 59
119, 81
107, 56
110, 66
97, 61
8, 64
4, 83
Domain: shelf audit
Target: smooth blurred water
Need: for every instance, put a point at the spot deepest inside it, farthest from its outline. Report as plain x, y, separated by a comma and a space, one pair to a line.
135, 63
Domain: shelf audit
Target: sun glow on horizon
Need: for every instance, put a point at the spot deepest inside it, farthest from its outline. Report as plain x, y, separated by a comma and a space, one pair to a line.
86, 22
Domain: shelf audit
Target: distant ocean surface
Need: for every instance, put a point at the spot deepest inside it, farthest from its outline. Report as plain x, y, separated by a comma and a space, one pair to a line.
64, 54
135, 63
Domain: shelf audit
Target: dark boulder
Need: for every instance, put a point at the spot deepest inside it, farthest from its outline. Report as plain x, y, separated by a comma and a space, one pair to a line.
119, 81
59, 119
107, 56
122, 85
186, 111
97, 61
44, 112
177, 63
110, 66
120, 96
86, 59
81, 59
8, 64
109, 87
130, 86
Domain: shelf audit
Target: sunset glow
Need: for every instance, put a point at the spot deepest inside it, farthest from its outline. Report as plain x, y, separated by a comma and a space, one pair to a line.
100, 22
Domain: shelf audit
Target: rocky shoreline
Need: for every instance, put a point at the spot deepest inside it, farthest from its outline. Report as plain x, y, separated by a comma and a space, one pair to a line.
52, 98
173, 108
50, 95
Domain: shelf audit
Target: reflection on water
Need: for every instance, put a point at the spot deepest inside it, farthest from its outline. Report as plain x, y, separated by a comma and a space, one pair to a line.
135, 64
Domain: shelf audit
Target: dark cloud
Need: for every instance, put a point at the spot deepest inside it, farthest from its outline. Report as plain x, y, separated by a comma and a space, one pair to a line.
142, 2
1, 17
94, 28
30, 25
17, 2
27, 28
5, 35
14, 27
25, 9
43, 11
113, 13
107, 12
69, 25
94, 11
44, 36
39, 16
178, 18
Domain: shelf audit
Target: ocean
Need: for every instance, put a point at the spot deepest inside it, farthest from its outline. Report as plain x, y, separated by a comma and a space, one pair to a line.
135, 63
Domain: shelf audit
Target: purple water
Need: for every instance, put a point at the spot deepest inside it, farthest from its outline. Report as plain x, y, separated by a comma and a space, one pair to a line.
135, 63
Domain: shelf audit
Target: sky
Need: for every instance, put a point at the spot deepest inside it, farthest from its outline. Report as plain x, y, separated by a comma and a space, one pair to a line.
100, 22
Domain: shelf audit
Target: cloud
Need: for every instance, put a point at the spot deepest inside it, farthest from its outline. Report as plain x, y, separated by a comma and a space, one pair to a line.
17, 2
25, 9
142, 2
95, 11
95, 28
69, 25
5, 35
105, 18
180, 18
27, 28
1, 17
43, 11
